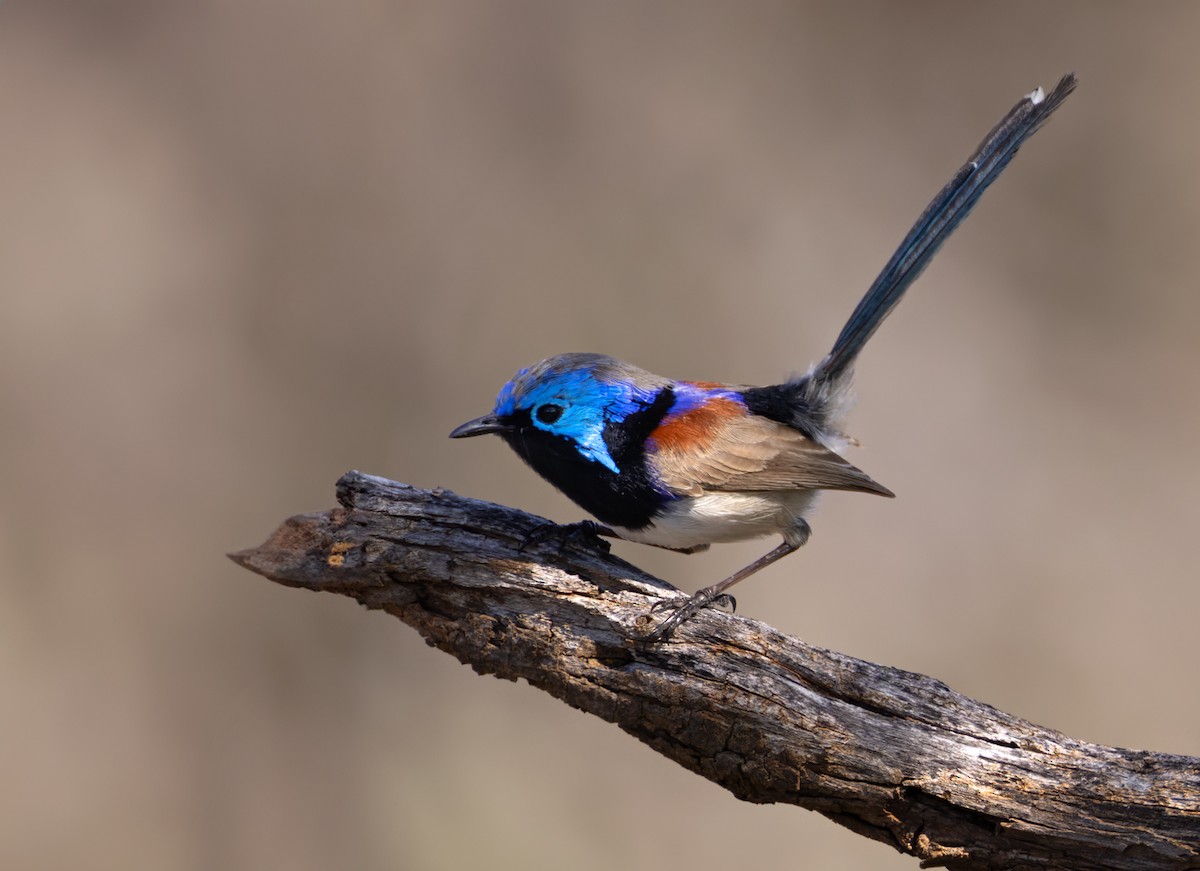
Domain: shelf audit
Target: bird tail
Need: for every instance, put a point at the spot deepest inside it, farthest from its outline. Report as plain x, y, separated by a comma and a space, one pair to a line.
935, 225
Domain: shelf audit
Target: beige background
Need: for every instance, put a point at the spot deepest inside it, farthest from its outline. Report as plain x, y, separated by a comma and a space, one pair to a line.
245, 246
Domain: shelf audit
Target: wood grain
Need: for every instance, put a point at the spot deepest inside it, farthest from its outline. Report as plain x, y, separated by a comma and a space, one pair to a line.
893, 755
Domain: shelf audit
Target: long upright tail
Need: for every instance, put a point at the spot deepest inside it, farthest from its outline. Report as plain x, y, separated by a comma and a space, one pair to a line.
939, 220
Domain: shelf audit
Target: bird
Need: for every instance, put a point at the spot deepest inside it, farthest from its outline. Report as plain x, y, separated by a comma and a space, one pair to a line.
685, 464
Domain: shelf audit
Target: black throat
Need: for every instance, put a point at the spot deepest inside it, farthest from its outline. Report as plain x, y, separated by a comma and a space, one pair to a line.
627, 498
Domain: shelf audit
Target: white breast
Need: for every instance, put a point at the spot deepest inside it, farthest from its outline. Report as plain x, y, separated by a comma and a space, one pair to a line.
721, 517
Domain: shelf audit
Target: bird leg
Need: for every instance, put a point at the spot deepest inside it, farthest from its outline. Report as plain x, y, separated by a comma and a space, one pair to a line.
703, 598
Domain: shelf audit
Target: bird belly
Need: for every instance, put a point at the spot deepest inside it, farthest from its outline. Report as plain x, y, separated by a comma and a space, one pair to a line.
713, 518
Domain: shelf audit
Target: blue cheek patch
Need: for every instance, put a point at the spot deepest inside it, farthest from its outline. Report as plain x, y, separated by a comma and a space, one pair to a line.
584, 425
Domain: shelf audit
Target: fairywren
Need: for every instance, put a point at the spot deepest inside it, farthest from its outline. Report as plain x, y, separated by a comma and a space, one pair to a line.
685, 464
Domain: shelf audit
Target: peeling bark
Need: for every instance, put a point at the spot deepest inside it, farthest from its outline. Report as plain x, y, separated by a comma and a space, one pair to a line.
894, 756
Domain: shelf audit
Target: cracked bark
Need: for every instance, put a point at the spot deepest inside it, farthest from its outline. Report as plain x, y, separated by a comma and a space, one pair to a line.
895, 756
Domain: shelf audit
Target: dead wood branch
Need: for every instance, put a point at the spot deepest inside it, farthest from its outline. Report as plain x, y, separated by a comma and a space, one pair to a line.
893, 755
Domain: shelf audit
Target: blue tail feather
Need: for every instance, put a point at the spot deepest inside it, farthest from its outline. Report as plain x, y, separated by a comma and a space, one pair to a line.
940, 218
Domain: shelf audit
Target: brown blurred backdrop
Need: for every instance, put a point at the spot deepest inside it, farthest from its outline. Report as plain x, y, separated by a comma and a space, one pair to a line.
245, 246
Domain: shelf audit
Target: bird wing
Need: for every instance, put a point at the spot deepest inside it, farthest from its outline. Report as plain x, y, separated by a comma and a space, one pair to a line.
719, 446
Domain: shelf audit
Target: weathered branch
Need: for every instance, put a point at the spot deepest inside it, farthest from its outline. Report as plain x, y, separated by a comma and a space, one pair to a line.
893, 755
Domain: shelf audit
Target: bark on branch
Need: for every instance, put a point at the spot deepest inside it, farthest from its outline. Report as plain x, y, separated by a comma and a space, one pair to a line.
895, 756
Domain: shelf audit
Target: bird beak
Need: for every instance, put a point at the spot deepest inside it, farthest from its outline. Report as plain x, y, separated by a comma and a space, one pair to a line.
479, 426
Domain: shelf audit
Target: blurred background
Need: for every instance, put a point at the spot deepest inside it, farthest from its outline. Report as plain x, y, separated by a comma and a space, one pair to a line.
245, 247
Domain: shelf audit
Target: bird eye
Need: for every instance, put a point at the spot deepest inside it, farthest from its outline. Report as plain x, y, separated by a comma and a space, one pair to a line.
549, 412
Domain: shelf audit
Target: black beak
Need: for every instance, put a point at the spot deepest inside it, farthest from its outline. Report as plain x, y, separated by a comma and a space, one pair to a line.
480, 426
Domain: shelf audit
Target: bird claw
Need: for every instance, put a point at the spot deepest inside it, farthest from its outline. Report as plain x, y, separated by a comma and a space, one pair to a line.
585, 533
721, 600
689, 609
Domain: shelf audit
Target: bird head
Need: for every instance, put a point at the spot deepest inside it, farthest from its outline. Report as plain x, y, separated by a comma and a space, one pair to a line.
571, 403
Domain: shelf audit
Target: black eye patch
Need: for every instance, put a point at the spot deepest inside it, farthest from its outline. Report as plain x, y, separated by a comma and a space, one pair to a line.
549, 412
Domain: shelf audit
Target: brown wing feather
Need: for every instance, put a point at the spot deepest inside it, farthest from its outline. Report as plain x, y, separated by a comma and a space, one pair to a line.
720, 448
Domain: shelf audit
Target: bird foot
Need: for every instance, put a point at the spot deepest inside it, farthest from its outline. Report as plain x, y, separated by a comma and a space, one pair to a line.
585, 533
689, 609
